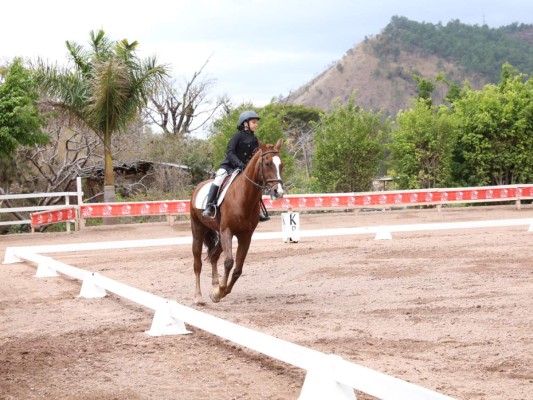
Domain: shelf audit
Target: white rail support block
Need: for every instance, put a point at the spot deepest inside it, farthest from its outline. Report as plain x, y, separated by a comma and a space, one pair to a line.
10, 256
320, 383
89, 289
164, 323
383, 235
44, 269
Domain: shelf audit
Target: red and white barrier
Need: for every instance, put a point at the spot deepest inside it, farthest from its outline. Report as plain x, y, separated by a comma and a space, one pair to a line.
328, 201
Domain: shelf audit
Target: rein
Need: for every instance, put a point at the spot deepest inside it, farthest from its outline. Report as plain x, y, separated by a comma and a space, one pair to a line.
266, 182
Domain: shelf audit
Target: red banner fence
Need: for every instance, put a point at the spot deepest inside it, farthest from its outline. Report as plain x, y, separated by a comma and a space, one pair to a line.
299, 202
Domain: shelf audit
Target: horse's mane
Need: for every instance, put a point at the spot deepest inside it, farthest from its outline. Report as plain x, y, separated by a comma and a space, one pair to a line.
262, 147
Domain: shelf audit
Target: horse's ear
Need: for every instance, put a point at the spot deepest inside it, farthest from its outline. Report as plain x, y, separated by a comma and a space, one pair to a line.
278, 144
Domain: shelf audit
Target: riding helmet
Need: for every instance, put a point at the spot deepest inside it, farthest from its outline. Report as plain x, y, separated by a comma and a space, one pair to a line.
245, 116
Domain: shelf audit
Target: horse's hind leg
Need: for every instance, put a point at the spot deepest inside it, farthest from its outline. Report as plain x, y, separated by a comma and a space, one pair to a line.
198, 234
197, 243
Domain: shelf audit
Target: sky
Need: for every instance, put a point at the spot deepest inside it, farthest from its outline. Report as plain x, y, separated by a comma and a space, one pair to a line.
255, 49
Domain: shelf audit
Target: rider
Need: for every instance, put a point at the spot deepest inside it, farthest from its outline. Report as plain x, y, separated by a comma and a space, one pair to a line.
240, 149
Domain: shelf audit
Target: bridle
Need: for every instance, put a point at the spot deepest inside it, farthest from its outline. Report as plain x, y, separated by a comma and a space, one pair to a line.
267, 184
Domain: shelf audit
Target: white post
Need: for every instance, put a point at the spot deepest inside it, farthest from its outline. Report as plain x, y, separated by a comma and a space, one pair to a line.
80, 223
67, 203
290, 227
383, 234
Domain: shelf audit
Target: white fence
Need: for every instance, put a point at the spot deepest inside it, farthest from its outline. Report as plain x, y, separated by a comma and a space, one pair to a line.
78, 194
328, 376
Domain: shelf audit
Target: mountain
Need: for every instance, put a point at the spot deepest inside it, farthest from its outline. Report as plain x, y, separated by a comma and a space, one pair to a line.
379, 71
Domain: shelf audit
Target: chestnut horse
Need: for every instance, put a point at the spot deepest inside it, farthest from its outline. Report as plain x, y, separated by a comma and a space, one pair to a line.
238, 216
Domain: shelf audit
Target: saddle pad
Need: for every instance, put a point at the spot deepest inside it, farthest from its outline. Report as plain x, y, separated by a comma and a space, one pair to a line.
201, 198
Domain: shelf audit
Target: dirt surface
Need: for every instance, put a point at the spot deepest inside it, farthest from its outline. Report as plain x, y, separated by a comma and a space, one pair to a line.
450, 310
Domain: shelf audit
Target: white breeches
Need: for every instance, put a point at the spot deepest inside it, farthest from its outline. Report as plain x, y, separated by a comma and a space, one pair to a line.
219, 176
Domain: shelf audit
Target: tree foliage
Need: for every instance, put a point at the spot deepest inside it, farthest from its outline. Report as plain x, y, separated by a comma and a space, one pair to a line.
180, 109
422, 146
270, 129
298, 123
478, 49
106, 88
194, 153
20, 120
348, 148
495, 143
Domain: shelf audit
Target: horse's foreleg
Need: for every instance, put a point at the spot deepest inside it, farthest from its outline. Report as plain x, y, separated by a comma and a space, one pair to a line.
220, 291
242, 251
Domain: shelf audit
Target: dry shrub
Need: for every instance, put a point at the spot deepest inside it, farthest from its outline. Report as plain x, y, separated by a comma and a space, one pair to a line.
170, 181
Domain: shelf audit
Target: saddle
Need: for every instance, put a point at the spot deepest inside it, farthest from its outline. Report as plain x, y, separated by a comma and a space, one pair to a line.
201, 198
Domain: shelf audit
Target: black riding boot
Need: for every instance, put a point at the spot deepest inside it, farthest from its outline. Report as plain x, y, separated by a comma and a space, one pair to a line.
211, 201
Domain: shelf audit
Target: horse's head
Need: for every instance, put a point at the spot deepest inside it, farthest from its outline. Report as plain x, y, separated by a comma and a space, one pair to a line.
269, 169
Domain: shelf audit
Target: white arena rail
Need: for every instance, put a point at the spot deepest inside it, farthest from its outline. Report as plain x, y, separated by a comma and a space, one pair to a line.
381, 231
328, 376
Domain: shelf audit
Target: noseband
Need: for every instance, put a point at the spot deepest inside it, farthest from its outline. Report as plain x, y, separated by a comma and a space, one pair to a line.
266, 183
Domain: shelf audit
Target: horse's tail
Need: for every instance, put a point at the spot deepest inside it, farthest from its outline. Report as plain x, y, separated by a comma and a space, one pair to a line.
212, 242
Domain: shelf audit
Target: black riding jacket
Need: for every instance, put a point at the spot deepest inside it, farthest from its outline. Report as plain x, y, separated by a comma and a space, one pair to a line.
240, 149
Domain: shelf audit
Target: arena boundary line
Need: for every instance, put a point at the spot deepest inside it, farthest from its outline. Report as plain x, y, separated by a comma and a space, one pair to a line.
328, 375
381, 231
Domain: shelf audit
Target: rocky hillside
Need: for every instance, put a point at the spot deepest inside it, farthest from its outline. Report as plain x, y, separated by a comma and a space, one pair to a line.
379, 71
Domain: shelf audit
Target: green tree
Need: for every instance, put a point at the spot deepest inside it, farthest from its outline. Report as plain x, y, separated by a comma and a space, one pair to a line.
298, 123
106, 89
20, 119
194, 153
477, 49
495, 142
422, 146
425, 87
348, 148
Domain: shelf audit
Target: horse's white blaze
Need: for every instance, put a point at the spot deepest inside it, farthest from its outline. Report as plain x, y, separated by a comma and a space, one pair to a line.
277, 162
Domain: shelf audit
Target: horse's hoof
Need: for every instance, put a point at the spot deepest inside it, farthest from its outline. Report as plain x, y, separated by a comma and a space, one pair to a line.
199, 302
214, 298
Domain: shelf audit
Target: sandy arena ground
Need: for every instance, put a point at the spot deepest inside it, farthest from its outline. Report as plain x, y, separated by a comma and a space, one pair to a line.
451, 311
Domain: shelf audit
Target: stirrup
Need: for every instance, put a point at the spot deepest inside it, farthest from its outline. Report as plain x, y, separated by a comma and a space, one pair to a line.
263, 218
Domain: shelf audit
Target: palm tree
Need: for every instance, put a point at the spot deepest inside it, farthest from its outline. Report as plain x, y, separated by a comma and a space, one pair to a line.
105, 89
